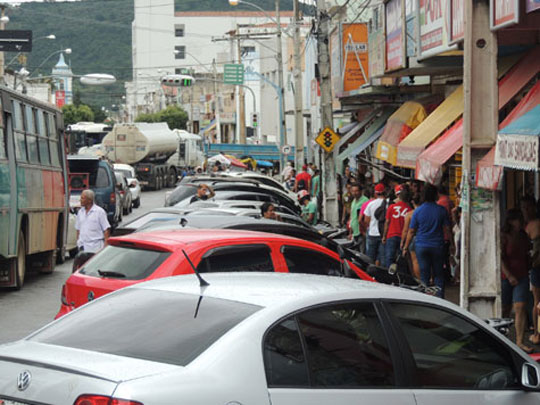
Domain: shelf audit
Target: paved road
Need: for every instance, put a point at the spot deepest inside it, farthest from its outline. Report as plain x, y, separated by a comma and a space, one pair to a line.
36, 304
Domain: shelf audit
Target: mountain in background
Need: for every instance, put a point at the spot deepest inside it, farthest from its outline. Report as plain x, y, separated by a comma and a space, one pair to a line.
99, 34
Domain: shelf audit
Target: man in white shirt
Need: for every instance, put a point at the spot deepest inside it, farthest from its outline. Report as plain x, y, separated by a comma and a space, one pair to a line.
92, 226
374, 245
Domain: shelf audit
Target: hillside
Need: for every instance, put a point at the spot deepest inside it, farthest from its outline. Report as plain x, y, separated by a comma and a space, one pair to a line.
99, 34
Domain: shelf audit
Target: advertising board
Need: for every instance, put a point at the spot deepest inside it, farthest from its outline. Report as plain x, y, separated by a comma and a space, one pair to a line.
354, 48
433, 28
395, 58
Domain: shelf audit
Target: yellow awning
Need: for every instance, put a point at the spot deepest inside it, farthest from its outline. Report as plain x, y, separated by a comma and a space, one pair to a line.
440, 119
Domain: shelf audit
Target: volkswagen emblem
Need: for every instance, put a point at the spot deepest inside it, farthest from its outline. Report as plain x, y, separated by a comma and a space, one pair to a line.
90, 296
23, 380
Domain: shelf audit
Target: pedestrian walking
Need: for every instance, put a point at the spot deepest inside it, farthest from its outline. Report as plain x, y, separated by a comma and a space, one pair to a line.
374, 218
411, 252
430, 223
515, 277
303, 180
316, 184
93, 228
395, 221
309, 207
356, 205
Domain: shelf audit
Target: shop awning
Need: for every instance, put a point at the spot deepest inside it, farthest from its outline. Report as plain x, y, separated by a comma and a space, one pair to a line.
440, 119
399, 125
519, 76
517, 144
366, 142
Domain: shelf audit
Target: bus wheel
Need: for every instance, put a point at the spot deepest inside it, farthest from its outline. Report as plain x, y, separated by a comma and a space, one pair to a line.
20, 264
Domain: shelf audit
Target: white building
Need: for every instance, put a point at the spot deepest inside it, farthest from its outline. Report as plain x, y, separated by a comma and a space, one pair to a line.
165, 41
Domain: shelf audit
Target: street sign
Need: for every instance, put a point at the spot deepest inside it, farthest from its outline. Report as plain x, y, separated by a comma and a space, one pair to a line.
327, 139
286, 149
16, 41
233, 73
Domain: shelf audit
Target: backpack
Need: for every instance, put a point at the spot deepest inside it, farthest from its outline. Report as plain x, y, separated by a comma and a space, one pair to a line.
380, 216
302, 185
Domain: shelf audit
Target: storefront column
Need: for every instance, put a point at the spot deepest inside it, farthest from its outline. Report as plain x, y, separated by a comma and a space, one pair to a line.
480, 255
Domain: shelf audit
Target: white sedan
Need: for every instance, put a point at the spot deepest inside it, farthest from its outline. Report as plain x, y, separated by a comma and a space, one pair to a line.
133, 183
261, 339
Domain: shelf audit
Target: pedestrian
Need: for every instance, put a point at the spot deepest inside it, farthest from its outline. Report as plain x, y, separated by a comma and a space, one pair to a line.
532, 229
347, 201
316, 184
411, 252
287, 171
204, 192
356, 204
311, 169
292, 180
374, 218
430, 223
93, 228
395, 221
309, 207
268, 211
515, 277
303, 180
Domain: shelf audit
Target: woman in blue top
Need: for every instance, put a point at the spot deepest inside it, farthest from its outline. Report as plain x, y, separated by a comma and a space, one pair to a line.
429, 223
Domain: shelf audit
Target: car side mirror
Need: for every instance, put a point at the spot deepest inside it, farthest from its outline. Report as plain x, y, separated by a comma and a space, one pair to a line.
530, 377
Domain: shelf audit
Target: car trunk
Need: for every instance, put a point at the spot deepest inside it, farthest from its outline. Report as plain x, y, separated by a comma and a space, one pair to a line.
58, 375
81, 289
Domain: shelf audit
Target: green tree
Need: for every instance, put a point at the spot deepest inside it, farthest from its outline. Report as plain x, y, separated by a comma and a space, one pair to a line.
146, 117
174, 116
74, 114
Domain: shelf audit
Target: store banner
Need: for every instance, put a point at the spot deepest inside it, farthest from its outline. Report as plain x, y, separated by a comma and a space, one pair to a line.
503, 13
532, 5
60, 97
433, 28
395, 35
457, 21
354, 48
517, 151
377, 45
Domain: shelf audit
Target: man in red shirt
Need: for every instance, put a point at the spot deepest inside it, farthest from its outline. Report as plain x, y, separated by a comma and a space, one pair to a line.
303, 180
393, 227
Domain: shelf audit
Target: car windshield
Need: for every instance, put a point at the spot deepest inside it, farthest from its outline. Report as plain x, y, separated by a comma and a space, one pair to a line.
161, 326
152, 217
126, 173
125, 263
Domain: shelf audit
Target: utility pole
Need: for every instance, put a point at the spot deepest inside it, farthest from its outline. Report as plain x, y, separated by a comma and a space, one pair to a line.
216, 105
283, 127
241, 100
298, 89
327, 120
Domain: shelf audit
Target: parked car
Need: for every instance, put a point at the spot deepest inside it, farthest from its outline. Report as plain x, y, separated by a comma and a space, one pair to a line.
133, 182
138, 257
86, 172
267, 339
125, 194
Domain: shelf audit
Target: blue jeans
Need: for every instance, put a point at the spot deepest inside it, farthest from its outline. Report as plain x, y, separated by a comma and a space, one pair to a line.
431, 261
375, 249
391, 249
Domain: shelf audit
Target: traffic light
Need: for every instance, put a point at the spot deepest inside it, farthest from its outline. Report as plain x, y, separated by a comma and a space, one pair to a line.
178, 80
254, 120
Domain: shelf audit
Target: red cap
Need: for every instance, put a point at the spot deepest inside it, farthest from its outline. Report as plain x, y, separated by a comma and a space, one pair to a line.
379, 188
304, 167
398, 189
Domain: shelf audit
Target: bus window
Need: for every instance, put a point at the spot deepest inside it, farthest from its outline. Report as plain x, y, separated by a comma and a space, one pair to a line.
29, 115
2, 144
18, 127
53, 144
31, 140
42, 140
52, 127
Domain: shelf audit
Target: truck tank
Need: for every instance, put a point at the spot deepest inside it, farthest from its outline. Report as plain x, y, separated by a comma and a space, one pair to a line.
137, 142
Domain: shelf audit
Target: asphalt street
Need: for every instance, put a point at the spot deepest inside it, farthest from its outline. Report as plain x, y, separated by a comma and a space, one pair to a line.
36, 304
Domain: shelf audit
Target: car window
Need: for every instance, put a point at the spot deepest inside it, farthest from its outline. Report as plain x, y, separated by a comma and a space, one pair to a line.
346, 346
161, 326
124, 263
451, 352
303, 260
237, 258
102, 178
284, 361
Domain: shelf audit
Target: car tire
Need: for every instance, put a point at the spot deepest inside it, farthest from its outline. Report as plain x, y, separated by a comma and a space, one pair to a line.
137, 203
125, 210
20, 262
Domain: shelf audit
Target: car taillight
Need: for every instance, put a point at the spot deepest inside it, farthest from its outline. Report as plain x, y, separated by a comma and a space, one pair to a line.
122, 192
63, 297
88, 399
113, 198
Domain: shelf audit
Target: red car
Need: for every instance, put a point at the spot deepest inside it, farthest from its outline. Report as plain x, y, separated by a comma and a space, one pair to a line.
140, 257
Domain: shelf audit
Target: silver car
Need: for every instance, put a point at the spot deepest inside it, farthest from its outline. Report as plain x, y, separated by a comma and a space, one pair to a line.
261, 339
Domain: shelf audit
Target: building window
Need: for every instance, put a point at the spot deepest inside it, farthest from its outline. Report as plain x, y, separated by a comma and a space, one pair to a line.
247, 49
179, 30
180, 52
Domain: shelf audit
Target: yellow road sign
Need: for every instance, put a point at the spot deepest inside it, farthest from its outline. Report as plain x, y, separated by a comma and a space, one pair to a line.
327, 139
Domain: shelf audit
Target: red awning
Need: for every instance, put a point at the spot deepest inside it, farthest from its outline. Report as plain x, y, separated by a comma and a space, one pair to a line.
429, 163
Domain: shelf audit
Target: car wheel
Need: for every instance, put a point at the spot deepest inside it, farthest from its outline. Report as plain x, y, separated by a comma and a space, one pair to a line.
125, 210
137, 203
20, 263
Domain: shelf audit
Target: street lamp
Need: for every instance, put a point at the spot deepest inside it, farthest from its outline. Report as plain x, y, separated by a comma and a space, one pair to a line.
277, 21
67, 51
50, 36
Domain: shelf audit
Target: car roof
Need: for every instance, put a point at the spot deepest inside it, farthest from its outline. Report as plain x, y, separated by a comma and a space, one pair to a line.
276, 289
173, 239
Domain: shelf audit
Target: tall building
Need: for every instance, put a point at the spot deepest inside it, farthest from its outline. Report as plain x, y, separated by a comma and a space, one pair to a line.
63, 80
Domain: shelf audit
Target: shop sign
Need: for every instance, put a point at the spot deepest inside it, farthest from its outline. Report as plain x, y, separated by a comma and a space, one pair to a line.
376, 45
411, 24
457, 21
354, 48
395, 34
532, 5
60, 96
517, 151
433, 27
503, 13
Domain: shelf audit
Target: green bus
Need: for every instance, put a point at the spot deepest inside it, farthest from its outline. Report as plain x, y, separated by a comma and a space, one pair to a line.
33, 187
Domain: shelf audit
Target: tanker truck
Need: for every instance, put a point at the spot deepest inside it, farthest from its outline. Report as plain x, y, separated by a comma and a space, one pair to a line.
147, 147
190, 152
